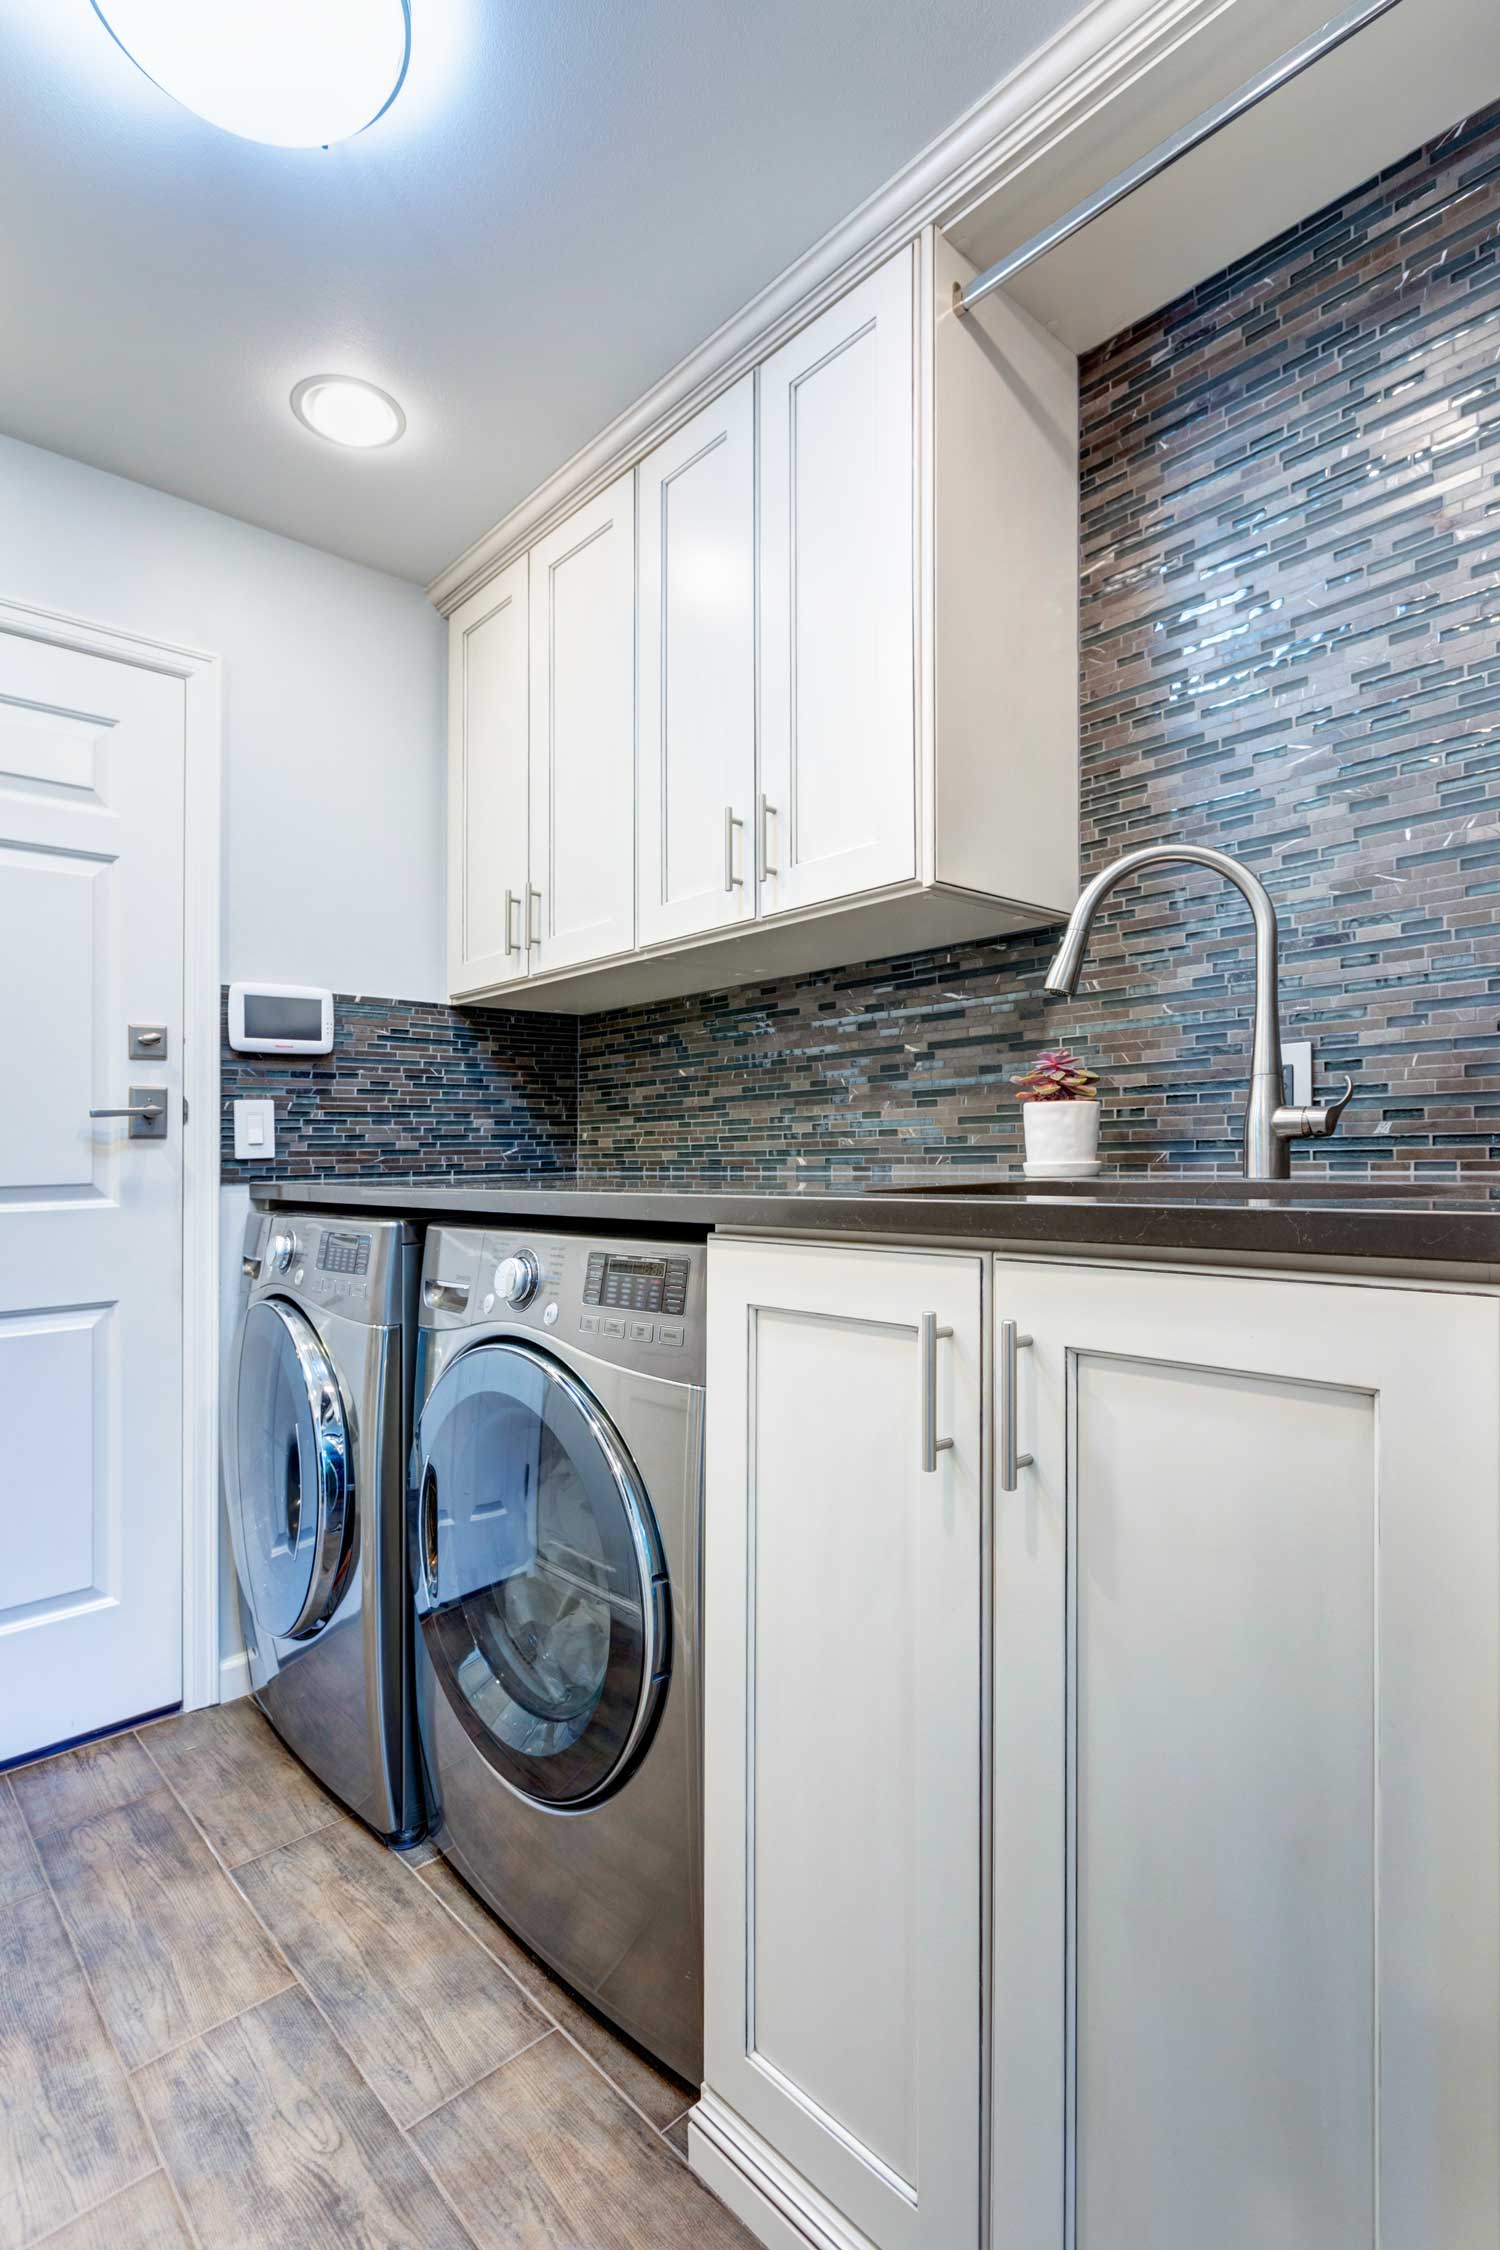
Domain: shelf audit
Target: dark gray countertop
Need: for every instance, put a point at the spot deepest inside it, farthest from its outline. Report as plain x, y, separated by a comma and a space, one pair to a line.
1329, 1221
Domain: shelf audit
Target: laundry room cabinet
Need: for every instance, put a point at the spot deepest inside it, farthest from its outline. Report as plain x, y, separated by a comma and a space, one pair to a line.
1246, 1760
842, 1638
541, 747
801, 681
1103, 1737
489, 661
695, 660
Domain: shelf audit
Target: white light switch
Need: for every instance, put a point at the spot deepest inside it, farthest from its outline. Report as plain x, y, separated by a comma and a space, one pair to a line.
255, 1129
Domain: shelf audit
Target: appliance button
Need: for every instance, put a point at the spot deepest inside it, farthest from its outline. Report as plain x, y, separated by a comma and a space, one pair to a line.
611, 1327
588, 1323
671, 1332
643, 1331
549, 1317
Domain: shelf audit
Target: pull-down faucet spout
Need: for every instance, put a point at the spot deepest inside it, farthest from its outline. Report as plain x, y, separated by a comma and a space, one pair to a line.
1270, 1128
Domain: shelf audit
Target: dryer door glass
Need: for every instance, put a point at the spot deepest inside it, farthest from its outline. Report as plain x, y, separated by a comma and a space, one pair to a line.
294, 1473
540, 1580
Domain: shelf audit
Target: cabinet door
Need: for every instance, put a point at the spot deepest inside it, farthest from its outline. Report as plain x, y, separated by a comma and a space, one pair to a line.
582, 903
1246, 1744
843, 1708
696, 673
488, 761
837, 589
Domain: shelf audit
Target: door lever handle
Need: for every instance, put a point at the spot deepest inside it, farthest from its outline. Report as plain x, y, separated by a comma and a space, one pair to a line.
147, 1111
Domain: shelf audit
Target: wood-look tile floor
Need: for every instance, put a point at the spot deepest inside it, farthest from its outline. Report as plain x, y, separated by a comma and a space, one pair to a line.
229, 2017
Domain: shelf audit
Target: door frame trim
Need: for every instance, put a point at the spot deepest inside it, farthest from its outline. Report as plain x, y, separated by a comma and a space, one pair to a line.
203, 745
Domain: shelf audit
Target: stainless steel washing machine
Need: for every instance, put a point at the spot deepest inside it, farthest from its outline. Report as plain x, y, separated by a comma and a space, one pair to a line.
555, 1518
317, 1435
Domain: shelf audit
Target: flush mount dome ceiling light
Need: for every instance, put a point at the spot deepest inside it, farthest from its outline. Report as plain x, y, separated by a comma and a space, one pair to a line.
347, 411
295, 73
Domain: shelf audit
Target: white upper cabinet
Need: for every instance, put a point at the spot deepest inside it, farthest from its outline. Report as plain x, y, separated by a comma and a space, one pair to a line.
843, 1866
696, 674
488, 670
1246, 1941
838, 575
823, 704
582, 882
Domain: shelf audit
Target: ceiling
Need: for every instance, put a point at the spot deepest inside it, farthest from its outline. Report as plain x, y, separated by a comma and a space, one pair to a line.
567, 196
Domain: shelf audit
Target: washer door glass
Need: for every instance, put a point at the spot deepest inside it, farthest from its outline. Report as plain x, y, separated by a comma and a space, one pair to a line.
294, 1464
540, 1581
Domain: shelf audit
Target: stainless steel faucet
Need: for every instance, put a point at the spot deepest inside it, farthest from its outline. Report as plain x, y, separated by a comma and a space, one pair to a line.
1270, 1126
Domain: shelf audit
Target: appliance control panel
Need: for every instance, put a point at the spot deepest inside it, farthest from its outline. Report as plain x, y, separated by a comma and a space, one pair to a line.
337, 1265
635, 1303
637, 1284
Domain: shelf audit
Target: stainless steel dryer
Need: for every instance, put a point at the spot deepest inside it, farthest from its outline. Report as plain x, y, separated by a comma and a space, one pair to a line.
555, 1519
317, 1432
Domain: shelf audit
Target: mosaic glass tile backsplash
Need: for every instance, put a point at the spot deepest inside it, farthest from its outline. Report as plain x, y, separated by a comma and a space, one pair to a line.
1291, 649
414, 1089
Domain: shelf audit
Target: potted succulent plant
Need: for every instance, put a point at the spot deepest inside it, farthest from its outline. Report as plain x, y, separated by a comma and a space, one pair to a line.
1060, 1106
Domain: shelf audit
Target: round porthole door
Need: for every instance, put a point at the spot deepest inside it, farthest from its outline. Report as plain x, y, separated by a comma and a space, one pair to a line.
540, 1583
294, 1473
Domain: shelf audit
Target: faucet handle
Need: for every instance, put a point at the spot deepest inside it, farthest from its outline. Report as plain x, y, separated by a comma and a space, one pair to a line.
1316, 1121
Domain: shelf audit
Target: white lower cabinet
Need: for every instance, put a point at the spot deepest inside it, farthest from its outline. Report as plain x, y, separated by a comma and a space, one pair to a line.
843, 1715
1240, 1975
1246, 1745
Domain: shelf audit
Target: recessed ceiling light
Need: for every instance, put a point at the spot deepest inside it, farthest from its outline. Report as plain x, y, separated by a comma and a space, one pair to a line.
348, 411
296, 73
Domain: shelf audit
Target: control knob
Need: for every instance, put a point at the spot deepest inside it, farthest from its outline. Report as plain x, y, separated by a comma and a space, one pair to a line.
281, 1249
518, 1278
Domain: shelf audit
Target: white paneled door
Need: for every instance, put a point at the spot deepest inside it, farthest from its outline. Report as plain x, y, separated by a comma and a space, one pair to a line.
696, 821
838, 489
581, 903
91, 943
1247, 1765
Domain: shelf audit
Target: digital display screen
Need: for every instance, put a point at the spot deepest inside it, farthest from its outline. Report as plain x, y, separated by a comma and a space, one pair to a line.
643, 1269
271, 1015
344, 1253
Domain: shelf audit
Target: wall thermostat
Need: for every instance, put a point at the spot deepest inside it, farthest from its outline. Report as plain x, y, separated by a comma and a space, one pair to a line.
280, 1019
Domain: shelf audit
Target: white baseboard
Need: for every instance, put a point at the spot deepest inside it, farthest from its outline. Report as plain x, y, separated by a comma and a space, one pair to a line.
234, 1677
779, 2207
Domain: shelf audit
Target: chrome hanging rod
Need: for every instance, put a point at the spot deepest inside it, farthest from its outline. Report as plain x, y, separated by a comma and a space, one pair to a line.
1291, 65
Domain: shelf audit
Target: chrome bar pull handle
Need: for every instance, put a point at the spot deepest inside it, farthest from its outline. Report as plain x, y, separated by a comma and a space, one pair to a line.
1011, 1462
932, 1444
512, 943
767, 815
732, 882
533, 932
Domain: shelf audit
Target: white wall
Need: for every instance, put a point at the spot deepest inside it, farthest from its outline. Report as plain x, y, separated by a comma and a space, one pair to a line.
334, 687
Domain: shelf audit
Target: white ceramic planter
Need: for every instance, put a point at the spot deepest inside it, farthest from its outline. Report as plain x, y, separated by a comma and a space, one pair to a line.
1062, 1140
